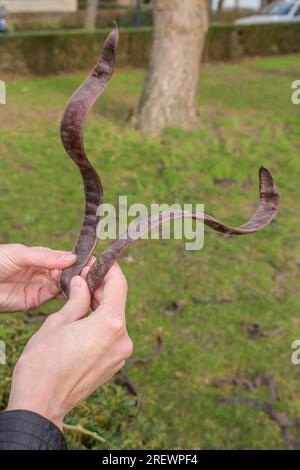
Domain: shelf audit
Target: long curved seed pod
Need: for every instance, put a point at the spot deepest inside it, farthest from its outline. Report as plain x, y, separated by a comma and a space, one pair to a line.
267, 209
72, 138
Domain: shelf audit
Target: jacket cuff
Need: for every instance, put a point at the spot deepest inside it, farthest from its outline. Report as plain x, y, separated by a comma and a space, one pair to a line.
26, 430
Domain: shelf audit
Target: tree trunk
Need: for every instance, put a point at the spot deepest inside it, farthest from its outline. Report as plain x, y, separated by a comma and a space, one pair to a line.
91, 14
170, 92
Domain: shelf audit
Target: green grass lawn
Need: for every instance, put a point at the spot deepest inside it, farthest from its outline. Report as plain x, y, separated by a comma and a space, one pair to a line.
246, 120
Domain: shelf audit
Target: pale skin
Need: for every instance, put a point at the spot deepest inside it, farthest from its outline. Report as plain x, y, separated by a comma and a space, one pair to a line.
29, 276
74, 352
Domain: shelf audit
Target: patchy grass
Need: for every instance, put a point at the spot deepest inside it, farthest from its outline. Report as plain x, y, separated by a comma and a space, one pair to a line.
246, 120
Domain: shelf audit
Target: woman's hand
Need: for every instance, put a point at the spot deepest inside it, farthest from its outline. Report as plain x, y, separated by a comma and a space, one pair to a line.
29, 276
72, 354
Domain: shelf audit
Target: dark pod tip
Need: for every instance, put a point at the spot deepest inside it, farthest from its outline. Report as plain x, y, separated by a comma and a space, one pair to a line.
267, 184
264, 171
110, 46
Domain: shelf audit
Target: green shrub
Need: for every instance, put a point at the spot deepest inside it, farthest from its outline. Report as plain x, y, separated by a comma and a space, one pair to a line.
233, 41
67, 50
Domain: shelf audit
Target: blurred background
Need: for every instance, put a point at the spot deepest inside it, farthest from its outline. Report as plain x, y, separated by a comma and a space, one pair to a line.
29, 15
212, 329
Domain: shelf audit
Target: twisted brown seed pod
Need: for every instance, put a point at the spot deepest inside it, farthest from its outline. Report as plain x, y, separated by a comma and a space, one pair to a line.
266, 211
72, 138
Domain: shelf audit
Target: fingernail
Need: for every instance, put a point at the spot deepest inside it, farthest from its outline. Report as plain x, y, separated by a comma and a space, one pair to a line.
76, 283
68, 257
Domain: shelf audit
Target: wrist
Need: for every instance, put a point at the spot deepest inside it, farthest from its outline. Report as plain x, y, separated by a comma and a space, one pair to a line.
35, 408
30, 395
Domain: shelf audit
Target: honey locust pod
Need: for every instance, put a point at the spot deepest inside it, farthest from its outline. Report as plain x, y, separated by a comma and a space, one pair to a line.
72, 127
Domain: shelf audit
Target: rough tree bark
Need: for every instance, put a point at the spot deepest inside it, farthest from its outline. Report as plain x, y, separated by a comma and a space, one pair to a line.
91, 14
170, 92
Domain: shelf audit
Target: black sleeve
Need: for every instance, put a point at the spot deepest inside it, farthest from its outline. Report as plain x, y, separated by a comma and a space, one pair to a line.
21, 430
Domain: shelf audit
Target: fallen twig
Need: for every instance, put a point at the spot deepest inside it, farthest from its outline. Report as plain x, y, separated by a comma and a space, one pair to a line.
82, 430
281, 419
255, 330
123, 381
149, 357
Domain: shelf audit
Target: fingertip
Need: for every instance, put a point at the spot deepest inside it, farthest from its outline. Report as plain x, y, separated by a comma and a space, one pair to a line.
79, 301
67, 258
85, 271
91, 261
79, 291
77, 284
87, 267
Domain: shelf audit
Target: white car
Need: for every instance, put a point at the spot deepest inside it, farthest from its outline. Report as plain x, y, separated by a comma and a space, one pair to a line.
276, 12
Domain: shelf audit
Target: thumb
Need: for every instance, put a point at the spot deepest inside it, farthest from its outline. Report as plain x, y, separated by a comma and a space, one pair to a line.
79, 302
45, 257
